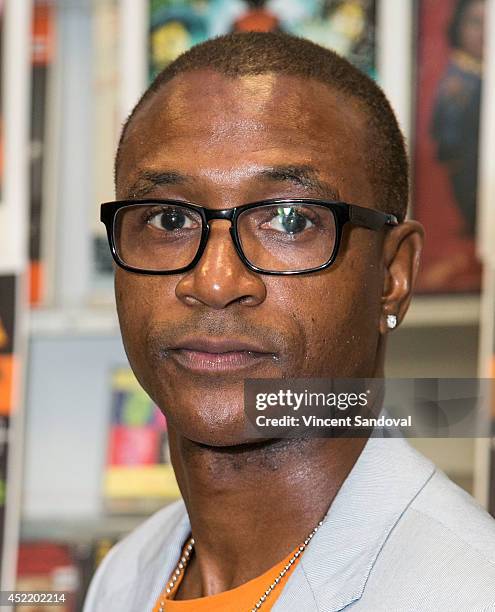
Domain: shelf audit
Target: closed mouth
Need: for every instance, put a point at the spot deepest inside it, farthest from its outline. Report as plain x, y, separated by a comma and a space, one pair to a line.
219, 355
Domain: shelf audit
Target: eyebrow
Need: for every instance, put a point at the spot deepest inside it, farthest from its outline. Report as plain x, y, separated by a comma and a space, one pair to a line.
148, 180
301, 175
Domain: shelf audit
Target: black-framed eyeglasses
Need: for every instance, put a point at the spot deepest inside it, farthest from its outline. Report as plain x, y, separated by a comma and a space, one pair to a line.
277, 236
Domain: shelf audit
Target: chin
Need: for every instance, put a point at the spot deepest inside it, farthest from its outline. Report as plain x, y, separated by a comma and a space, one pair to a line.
219, 434
212, 417
226, 442
211, 427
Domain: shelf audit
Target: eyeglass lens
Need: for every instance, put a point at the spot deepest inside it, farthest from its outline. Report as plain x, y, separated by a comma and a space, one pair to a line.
273, 237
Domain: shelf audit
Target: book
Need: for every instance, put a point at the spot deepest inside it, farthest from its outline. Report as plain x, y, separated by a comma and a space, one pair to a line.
8, 288
138, 475
43, 41
48, 566
54, 565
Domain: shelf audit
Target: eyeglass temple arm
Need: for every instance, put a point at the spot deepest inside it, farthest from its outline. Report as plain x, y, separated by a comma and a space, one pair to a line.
370, 218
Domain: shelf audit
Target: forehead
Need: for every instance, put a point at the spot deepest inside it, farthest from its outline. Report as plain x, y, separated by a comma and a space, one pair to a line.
220, 128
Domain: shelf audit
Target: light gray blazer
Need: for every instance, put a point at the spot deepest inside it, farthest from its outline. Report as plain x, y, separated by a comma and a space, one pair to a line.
399, 537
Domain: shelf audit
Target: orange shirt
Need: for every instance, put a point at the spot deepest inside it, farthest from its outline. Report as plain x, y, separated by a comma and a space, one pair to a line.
241, 599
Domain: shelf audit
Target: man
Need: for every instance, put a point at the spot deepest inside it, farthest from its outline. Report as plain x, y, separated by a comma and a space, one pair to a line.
307, 523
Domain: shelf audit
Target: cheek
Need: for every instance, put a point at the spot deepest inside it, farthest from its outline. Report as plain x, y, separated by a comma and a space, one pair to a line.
135, 298
141, 298
340, 313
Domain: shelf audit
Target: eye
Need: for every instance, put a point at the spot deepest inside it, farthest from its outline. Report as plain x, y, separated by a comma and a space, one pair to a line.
171, 219
290, 220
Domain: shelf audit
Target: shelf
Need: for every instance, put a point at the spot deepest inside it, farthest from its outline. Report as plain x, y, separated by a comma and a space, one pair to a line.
434, 311
69, 322
443, 311
79, 530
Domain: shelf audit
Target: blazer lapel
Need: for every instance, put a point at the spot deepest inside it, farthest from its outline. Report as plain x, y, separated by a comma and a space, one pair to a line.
336, 564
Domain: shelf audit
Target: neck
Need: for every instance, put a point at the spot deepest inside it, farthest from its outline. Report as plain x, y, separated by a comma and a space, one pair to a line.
251, 505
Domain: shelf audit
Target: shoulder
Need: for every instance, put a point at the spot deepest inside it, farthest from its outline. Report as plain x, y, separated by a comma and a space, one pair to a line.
458, 515
132, 556
441, 552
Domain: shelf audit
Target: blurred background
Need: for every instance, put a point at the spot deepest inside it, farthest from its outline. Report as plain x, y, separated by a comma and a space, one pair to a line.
83, 451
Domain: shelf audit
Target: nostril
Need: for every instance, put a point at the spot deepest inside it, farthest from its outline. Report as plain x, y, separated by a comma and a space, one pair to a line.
248, 300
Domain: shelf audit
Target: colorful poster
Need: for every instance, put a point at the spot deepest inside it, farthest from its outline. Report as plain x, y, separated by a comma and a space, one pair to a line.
450, 78
347, 26
139, 475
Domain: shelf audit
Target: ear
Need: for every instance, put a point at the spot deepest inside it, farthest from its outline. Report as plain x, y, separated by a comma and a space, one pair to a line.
401, 256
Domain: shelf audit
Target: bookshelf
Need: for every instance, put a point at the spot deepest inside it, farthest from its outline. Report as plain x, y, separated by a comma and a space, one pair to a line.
71, 342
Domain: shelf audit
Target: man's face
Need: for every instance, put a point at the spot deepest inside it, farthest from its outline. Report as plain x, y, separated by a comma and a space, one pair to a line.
472, 29
221, 143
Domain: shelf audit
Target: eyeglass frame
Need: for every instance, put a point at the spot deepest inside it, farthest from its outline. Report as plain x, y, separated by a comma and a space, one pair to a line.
343, 213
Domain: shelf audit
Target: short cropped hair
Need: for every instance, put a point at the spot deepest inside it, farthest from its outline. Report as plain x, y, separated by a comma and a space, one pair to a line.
254, 53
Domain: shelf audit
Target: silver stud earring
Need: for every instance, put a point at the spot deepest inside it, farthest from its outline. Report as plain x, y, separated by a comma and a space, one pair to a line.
391, 321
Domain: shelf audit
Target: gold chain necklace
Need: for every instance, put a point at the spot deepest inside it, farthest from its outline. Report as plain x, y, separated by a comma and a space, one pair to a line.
184, 560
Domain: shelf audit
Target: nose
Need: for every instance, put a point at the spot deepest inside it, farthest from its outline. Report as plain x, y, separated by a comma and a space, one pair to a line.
220, 277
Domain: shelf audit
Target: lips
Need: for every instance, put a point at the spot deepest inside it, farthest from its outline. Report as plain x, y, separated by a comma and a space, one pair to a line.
219, 355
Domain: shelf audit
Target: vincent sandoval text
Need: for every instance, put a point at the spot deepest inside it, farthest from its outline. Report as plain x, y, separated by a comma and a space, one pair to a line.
313, 421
